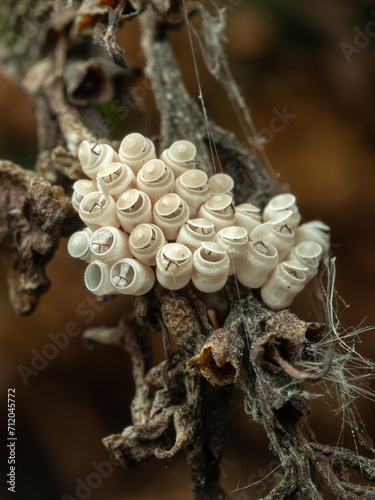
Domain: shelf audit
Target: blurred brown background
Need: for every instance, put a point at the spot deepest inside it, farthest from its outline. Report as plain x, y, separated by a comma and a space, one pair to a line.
283, 53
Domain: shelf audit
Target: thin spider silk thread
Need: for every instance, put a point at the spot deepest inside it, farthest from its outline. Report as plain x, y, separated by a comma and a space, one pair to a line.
213, 151
215, 60
200, 95
212, 30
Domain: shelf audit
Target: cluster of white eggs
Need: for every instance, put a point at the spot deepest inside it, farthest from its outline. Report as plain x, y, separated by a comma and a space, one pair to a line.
164, 217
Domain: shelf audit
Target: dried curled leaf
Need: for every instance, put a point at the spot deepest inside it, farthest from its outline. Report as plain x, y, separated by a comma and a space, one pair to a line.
284, 343
137, 444
169, 397
111, 13
87, 81
220, 358
90, 13
32, 214
97, 79
284, 332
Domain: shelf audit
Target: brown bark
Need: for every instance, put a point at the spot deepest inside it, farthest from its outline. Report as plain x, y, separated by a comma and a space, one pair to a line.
255, 349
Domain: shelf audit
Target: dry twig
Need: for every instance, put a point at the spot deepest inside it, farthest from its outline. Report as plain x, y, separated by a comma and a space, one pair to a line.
255, 349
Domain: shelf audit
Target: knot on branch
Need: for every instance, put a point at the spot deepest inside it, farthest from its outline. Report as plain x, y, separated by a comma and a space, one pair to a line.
219, 360
284, 342
275, 356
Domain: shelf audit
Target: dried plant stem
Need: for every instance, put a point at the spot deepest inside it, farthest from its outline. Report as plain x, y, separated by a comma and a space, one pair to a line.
180, 116
254, 348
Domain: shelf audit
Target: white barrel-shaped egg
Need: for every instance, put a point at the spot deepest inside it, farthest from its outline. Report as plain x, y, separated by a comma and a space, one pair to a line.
155, 179
170, 213
97, 278
136, 150
211, 267
192, 186
174, 266
283, 284
259, 260
93, 156
79, 245
314, 230
309, 253
133, 208
109, 244
221, 183
145, 241
276, 232
196, 231
131, 277
219, 210
247, 216
97, 211
118, 177
81, 188
280, 202
180, 157
235, 241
